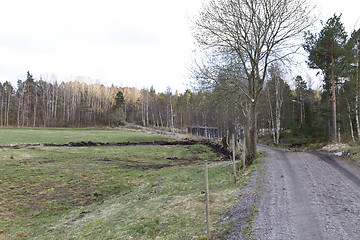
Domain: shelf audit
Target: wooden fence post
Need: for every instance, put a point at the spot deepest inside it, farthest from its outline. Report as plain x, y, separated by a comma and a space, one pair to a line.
233, 157
244, 153
207, 200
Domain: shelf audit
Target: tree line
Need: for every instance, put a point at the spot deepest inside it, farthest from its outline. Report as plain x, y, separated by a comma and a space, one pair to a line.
239, 82
43, 103
40, 103
304, 111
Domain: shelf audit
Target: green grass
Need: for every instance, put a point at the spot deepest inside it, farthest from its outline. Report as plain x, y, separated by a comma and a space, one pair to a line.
355, 154
353, 149
15, 136
138, 192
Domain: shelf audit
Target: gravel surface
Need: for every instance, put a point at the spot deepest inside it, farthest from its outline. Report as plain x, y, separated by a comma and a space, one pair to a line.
303, 195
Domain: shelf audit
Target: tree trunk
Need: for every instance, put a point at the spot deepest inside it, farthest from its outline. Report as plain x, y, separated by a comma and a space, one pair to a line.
171, 116
253, 132
350, 123
358, 92
8, 109
56, 101
35, 106
357, 112
333, 95
154, 122
28, 104
147, 108
161, 121
246, 112
327, 125
278, 105
271, 118
2, 108
143, 112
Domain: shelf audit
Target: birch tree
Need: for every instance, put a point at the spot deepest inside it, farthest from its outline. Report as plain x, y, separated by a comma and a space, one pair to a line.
277, 85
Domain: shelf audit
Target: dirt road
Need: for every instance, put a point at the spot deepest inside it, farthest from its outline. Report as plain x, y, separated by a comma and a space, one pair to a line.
303, 195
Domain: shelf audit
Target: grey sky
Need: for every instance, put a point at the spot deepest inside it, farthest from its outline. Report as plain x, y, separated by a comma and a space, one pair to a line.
127, 43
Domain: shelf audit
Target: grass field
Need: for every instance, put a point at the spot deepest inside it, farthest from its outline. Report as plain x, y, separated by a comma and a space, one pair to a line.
15, 136
127, 192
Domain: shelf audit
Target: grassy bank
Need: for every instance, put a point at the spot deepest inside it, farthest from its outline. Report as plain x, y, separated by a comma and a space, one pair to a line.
350, 151
138, 192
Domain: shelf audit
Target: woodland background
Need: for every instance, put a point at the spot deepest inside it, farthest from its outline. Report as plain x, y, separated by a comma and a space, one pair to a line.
303, 111
282, 111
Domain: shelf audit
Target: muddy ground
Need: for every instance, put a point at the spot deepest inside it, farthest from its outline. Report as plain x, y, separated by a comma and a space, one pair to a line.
215, 146
174, 161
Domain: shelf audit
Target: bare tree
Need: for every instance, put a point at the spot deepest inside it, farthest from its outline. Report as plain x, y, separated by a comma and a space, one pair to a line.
257, 32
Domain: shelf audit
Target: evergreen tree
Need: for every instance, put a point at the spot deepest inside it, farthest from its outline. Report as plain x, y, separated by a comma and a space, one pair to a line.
328, 53
119, 100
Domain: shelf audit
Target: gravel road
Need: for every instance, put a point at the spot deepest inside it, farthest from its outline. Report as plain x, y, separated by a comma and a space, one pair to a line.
303, 195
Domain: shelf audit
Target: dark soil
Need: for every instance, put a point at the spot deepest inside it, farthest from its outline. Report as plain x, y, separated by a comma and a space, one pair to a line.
97, 144
216, 147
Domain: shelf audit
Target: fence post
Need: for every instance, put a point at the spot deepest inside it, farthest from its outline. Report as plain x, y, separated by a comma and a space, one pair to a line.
207, 200
233, 157
244, 153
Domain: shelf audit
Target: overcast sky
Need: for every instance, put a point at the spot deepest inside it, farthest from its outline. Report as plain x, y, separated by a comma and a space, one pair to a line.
121, 42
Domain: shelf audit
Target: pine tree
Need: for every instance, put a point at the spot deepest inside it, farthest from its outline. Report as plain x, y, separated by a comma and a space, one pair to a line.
327, 52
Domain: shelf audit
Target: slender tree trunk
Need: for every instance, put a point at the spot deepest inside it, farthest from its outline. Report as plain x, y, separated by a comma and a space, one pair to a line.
18, 106
333, 96
327, 125
278, 105
2, 108
153, 118
56, 101
66, 106
271, 117
35, 106
147, 108
28, 105
18, 112
23, 107
8, 108
247, 131
357, 113
143, 113
161, 121
278, 122
358, 93
253, 132
350, 122
171, 115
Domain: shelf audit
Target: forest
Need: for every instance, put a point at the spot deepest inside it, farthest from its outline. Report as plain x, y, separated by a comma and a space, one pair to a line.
311, 115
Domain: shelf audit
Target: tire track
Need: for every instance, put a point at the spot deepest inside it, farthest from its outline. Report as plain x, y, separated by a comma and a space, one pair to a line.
306, 223
307, 196
284, 211
338, 167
